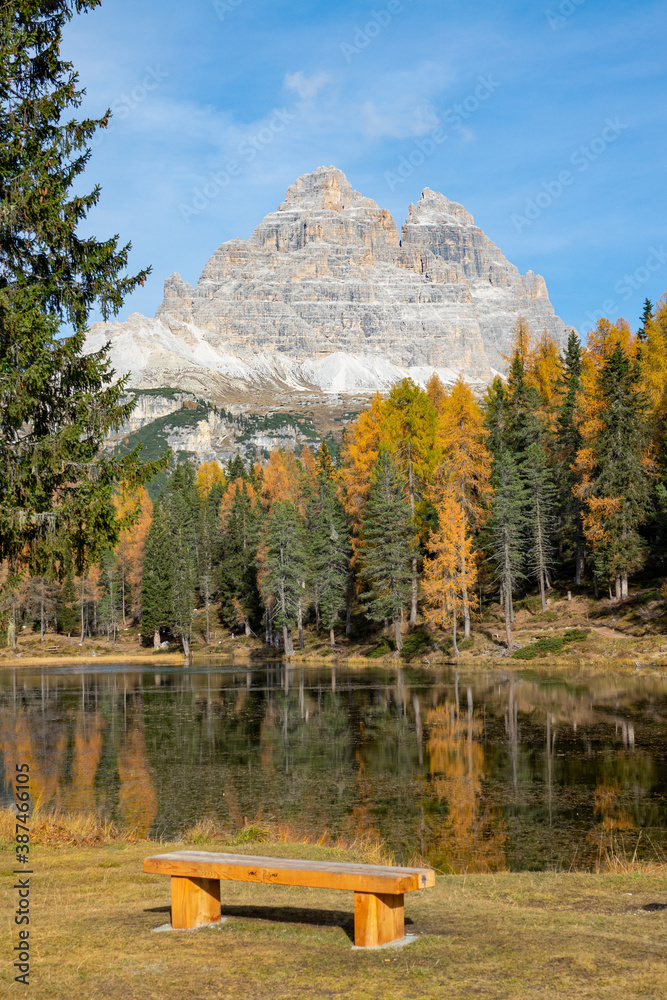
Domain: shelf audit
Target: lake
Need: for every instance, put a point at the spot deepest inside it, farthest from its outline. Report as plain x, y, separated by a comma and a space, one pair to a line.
479, 771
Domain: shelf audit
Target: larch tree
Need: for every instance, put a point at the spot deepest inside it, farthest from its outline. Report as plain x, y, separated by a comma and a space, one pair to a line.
388, 546
450, 574
464, 472
361, 446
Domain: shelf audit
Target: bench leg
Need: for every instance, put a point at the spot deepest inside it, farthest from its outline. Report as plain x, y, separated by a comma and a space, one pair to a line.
378, 919
194, 901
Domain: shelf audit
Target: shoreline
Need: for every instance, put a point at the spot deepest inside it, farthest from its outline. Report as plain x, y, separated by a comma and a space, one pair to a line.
89, 660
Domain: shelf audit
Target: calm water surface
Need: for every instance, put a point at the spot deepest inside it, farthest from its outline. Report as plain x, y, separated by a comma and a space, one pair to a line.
476, 772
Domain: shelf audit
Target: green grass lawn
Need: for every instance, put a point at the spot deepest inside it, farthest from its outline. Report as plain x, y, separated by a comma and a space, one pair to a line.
506, 935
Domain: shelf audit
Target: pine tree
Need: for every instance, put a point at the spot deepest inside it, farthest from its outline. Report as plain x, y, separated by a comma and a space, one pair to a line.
209, 535
68, 620
183, 561
110, 605
57, 405
540, 521
42, 602
506, 529
409, 432
568, 441
156, 583
646, 317
239, 597
388, 545
285, 567
620, 470
331, 553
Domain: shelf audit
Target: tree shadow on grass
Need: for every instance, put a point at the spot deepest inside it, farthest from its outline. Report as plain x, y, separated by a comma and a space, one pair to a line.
287, 915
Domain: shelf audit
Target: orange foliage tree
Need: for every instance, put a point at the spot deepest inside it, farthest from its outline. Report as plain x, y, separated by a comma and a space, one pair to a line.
450, 575
464, 473
131, 547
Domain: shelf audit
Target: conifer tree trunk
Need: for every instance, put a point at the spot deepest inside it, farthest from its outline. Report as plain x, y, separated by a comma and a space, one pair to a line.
508, 625
83, 633
348, 616
41, 614
456, 648
156, 639
287, 641
624, 586
299, 624
579, 563
332, 637
618, 588
464, 577
414, 564
397, 632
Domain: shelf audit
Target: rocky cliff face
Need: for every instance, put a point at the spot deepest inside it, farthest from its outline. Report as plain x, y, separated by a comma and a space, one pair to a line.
324, 295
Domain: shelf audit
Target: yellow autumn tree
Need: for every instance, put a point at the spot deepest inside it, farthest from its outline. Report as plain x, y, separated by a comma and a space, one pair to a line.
450, 575
309, 466
282, 479
360, 450
465, 471
522, 342
131, 545
436, 392
543, 369
209, 474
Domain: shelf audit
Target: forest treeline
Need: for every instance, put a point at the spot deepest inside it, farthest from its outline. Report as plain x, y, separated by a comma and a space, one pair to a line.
436, 503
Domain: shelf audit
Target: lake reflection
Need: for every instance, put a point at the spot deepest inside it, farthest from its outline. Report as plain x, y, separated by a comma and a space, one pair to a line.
475, 772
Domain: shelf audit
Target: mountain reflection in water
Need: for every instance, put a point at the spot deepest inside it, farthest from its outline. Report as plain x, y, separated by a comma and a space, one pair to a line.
475, 772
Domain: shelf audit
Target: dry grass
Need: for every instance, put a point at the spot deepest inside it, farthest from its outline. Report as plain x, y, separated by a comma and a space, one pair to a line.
504, 936
369, 850
56, 829
87, 658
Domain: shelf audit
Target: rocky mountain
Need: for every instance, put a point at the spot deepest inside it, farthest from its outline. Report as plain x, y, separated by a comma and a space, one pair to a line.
325, 299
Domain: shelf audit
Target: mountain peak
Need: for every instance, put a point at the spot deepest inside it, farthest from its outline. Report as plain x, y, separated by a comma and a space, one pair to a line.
325, 189
324, 297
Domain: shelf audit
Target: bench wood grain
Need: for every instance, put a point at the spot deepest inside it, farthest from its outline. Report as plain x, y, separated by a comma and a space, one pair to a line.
378, 889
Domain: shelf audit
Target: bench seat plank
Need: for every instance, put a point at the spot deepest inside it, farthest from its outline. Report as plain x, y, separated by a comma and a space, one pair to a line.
286, 871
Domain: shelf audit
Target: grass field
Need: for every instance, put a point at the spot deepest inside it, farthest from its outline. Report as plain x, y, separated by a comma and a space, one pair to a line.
560, 936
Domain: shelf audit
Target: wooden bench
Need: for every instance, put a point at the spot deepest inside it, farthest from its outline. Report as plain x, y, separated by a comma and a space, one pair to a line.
379, 913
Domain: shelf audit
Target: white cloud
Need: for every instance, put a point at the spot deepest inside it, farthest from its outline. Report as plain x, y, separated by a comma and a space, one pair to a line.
306, 87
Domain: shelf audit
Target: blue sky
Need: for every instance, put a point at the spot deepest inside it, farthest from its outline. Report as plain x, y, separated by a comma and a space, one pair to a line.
558, 147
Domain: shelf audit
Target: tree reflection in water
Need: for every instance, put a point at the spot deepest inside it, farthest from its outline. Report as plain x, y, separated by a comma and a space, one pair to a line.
474, 773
